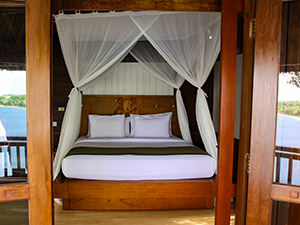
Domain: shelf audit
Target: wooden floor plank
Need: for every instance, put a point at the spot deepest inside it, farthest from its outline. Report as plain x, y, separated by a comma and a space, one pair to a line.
12, 213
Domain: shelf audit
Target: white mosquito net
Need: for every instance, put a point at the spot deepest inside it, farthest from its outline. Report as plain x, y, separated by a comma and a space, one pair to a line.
182, 46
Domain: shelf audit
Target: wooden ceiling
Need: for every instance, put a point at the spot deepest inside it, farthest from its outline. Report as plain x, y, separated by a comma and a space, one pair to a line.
12, 39
290, 33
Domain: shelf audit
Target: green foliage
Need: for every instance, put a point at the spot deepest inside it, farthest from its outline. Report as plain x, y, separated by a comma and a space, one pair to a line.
13, 100
289, 107
295, 79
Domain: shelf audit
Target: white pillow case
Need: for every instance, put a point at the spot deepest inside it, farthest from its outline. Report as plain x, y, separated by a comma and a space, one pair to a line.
106, 126
167, 116
151, 127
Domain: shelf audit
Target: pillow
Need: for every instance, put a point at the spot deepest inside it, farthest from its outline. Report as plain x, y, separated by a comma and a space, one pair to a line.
167, 116
152, 127
106, 126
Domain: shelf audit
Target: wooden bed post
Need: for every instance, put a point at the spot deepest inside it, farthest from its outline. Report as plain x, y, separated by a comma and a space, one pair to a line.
227, 111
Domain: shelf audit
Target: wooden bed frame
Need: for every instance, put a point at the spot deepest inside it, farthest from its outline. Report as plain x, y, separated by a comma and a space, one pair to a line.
133, 195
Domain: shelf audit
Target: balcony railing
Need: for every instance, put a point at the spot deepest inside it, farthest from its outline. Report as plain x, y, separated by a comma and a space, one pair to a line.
285, 158
17, 161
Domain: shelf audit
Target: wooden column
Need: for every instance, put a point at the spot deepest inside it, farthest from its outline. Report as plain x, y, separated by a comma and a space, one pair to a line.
227, 111
39, 111
264, 108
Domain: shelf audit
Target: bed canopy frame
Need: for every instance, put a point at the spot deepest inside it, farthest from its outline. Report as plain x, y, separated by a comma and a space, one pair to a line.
146, 24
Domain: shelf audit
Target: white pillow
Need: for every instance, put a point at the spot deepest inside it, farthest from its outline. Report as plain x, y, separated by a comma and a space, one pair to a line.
167, 116
106, 126
152, 127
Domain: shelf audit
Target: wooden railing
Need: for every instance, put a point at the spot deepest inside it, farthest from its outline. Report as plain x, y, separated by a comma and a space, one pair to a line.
290, 154
15, 143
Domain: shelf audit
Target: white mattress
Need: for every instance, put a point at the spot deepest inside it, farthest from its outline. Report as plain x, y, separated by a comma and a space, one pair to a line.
137, 167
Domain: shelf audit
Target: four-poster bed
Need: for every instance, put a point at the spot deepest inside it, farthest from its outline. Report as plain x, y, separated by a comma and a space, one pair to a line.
134, 194
169, 55
211, 191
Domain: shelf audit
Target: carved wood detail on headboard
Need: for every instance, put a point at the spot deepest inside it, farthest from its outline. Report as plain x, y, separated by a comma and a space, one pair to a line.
126, 104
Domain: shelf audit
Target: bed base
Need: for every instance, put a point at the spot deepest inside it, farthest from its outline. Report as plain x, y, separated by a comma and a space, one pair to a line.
136, 195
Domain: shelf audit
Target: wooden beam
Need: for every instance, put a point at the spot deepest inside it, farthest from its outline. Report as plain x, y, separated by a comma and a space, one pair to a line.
38, 20
12, 192
138, 5
287, 193
12, 3
227, 111
264, 110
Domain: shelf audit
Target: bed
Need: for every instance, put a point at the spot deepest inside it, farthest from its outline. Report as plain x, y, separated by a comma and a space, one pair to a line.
135, 173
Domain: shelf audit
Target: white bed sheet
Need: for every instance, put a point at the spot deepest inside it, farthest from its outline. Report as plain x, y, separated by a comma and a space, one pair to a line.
137, 167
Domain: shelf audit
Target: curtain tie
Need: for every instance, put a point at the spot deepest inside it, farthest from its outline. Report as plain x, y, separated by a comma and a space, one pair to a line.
200, 89
77, 88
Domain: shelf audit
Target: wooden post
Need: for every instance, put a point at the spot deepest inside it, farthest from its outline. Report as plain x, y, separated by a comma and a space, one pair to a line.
264, 109
39, 127
227, 111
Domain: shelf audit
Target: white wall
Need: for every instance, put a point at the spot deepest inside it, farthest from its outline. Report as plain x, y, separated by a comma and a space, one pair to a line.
128, 79
238, 95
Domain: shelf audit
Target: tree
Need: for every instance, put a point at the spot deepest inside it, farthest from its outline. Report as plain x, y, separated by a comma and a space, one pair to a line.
295, 79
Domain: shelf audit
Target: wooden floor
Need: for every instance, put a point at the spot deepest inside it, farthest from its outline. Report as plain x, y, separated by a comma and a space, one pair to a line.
12, 213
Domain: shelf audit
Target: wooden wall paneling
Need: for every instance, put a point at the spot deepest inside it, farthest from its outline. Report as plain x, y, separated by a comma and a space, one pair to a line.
138, 5
246, 106
227, 110
39, 127
128, 79
264, 110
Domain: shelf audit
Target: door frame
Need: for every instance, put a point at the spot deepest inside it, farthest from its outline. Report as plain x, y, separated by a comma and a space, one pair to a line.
38, 189
264, 111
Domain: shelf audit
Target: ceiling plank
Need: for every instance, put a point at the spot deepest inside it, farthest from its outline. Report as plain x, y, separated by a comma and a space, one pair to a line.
12, 3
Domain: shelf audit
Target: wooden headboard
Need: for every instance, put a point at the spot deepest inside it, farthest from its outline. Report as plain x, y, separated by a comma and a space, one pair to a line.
126, 104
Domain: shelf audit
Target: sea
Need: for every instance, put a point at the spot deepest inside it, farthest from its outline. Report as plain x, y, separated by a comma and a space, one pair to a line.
13, 120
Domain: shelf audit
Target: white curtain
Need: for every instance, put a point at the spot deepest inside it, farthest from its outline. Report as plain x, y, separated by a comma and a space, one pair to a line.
147, 56
190, 43
91, 44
